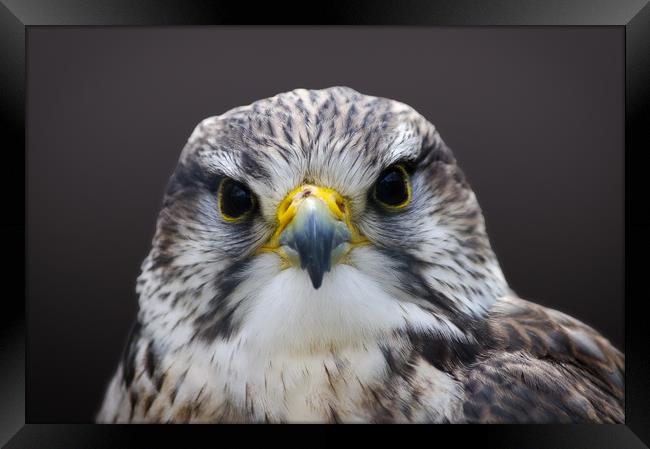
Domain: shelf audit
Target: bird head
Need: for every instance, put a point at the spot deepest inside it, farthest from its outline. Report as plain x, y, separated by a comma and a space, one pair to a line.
317, 217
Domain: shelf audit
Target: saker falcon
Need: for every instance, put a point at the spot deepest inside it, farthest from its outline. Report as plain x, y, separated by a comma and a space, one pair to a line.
320, 257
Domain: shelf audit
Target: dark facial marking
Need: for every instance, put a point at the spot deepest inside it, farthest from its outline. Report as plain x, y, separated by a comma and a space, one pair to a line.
217, 322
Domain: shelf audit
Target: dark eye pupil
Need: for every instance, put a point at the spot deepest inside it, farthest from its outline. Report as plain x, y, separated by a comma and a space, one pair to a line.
391, 188
236, 199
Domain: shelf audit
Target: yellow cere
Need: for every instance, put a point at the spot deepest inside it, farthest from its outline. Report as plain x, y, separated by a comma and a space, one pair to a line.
288, 207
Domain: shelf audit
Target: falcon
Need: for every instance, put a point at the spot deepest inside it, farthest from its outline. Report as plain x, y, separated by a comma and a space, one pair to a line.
320, 257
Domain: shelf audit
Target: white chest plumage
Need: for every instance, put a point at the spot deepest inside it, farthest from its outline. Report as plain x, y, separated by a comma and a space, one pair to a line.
353, 384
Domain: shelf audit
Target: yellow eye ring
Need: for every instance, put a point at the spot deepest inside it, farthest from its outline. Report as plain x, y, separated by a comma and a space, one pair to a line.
235, 200
392, 189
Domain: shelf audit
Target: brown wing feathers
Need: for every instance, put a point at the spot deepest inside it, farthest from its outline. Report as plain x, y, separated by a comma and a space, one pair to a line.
541, 365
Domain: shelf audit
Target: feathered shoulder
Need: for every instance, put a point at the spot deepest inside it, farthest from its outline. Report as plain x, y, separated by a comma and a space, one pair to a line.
541, 365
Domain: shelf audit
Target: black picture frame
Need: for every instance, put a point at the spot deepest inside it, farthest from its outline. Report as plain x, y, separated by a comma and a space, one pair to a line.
16, 16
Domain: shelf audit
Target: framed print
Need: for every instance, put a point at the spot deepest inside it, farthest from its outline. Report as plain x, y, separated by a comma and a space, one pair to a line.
424, 214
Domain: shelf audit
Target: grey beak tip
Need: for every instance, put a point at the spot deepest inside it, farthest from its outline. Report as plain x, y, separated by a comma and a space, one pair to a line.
316, 283
316, 275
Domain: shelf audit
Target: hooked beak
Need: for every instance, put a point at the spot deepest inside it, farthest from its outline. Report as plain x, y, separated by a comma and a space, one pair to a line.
314, 230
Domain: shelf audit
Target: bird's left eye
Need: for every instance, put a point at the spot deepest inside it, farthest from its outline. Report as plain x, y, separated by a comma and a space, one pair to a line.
392, 189
235, 200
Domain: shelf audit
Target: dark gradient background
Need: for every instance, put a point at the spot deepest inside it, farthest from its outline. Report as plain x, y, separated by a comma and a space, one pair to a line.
534, 116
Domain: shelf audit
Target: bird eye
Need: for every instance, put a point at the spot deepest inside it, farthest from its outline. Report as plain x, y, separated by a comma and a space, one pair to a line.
235, 199
392, 189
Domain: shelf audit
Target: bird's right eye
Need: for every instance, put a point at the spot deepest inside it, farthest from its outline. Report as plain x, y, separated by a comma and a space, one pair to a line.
235, 200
